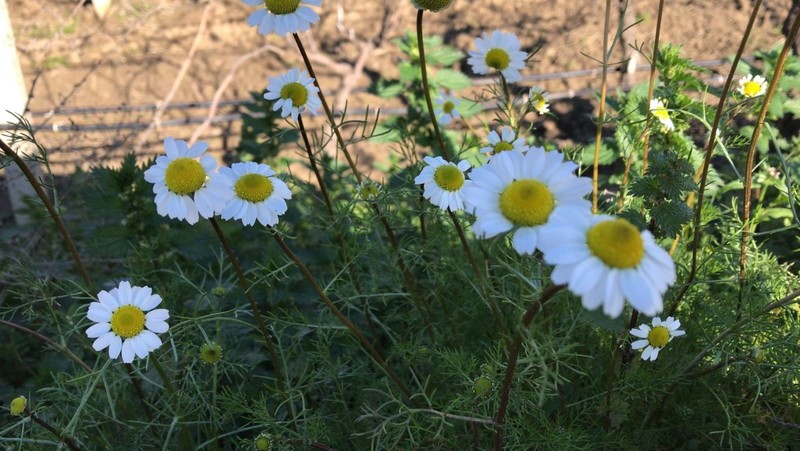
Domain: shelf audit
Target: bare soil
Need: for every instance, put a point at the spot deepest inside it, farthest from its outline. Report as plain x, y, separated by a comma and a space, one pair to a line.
72, 60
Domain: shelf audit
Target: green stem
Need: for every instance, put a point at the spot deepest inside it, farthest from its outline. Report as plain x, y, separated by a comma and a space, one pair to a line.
601, 116
186, 437
313, 162
651, 86
67, 440
513, 355
62, 228
426, 88
338, 314
245, 285
69, 354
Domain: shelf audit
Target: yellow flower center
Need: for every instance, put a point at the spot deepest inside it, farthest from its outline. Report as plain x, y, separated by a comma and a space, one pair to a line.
751, 88
502, 146
433, 5
658, 337
253, 187
527, 203
539, 102
18, 405
660, 113
184, 176
498, 59
127, 321
448, 177
282, 6
211, 353
295, 91
617, 243
369, 191
448, 107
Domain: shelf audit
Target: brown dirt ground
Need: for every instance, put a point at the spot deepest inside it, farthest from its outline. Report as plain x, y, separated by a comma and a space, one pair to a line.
133, 56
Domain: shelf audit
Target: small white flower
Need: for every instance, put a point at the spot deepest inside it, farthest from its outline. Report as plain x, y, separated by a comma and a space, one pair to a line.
443, 183
185, 187
256, 194
520, 191
656, 337
752, 86
282, 16
660, 112
499, 51
504, 141
539, 99
606, 260
126, 313
446, 111
368, 190
293, 92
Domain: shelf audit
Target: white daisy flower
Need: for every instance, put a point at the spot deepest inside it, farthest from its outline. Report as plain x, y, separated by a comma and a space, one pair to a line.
126, 322
540, 100
186, 187
520, 191
257, 195
606, 260
656, 337
293, 92
446, 111
443, 183
499, 51
752, 86
282, 16
658, 110
504, 141
432, 5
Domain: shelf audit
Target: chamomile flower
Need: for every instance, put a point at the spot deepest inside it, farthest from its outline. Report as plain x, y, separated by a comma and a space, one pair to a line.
500, 52
503, 141
126, 322
606, 260
660, 112
210, 353
520, 191
293, 92
282, 16
539, 100
257, 194
752, 86
185, 187
655, 337
368, 190
432, 5
446, 110
18, 405
443, 183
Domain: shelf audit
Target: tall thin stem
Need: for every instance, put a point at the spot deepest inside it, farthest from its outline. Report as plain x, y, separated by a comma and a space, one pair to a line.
62, 228
601, 116
709, 153
426, 87
338, 313
513, 355
751, 153
313, 162
186, 437
67, 440
245, 285
651, 86
52, 343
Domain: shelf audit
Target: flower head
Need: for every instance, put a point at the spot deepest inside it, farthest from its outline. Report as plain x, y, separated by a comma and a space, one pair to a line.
504, 141
752, 86
282, 16
125, 321
368, 190
210, 353
263, 442
443, 183
499, 52
539, 99
446, 110
185, 187
655, 337
606, 260
18, 405
257, 194
432, 5
293, 92
521, 191
661, 113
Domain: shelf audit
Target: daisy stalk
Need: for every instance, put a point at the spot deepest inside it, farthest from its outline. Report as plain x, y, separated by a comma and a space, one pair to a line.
513, 356
61, 436
186, 437
601, 115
